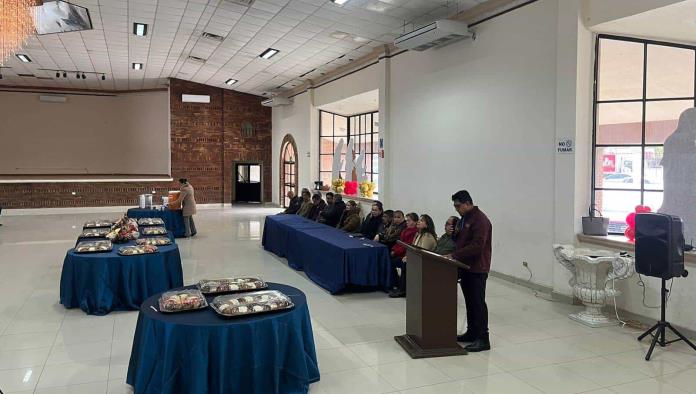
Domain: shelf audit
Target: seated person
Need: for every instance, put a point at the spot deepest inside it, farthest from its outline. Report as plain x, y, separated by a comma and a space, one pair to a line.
392, 233
331, 215
370, 226
307, 205
318, 205
426, 238
350, 222
398, 251
294, 205
446, 245
387, 219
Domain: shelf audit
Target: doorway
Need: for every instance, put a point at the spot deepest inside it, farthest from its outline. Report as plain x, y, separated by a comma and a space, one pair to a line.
247, 182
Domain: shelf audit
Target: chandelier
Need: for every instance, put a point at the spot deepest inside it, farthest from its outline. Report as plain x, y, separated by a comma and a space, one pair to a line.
16, 25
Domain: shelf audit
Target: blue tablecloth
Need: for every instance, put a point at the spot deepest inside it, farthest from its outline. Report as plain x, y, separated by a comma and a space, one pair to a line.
173, 220
201, 352
99, 283
327, 255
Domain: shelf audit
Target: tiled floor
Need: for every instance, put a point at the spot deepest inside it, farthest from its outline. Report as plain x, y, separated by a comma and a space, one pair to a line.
536, 348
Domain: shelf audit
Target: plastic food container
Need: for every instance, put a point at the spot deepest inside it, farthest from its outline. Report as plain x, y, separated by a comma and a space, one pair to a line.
231, 285
182, 300
150, 222
156, 241
251, 303
99, 223
137, 250
93, 247
94, 232
154, 231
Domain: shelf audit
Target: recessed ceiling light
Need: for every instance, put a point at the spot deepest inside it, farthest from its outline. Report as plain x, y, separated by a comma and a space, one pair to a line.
269, 53
339, 35
140, 29
361, 39
231, 81
137, 66
23, 58
339, 2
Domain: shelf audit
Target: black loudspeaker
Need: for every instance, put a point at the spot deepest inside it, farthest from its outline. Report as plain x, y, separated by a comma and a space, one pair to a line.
659, 245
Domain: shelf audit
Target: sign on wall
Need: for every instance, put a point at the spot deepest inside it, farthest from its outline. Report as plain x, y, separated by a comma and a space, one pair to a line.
565, 145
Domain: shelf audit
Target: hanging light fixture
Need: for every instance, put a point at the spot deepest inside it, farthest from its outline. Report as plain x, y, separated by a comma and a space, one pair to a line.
16, 25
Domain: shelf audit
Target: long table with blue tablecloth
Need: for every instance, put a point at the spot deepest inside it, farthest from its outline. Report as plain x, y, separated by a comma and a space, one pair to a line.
329, 256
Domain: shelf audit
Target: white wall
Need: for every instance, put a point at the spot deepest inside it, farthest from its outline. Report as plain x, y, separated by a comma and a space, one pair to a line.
481, 116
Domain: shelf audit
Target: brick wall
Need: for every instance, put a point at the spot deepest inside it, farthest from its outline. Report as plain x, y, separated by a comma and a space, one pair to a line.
206, 139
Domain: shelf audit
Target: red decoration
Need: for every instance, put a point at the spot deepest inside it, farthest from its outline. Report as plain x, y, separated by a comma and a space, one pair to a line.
631, 219
630, 233
351, 188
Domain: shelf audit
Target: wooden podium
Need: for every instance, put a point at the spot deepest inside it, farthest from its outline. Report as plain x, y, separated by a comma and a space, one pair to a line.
431, 305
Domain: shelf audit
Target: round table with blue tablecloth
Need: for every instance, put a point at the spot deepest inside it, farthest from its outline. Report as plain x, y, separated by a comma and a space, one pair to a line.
202, 352
173, 220
99, 283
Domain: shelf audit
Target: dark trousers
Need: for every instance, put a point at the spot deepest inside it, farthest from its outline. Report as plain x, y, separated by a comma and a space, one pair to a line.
474, 289
397, 281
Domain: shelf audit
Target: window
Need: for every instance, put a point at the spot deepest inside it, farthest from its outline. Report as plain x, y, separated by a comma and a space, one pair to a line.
362, 129
641, 89
288, 169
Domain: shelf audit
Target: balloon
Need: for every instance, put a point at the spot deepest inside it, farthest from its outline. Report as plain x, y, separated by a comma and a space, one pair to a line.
631, 220
643, 209
630, 233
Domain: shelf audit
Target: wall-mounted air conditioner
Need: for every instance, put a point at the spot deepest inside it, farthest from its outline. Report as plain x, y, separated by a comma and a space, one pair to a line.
276, 102
436, 34
195, 98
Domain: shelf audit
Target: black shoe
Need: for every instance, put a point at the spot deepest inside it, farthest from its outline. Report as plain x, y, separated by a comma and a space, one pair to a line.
468, 336
397, 294
479, 345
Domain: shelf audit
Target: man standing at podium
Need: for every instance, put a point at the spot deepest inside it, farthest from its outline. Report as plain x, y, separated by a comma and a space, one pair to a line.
473, 248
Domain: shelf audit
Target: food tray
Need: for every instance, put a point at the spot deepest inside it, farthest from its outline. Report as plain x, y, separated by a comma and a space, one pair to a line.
154, 231
156, 241
230, 285
181, 301
98, 223
251, 303
93, 247
150, 222
136, 250
94, 232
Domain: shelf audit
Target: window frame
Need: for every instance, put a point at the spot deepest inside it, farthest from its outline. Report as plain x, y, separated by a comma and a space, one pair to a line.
644, 100
360, 127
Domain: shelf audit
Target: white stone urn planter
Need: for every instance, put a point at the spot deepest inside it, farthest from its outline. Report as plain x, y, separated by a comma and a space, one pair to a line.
593, 272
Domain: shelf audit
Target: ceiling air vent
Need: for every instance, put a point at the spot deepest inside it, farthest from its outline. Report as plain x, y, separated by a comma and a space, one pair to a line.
212, 36
27, 75
246, 3
196, 59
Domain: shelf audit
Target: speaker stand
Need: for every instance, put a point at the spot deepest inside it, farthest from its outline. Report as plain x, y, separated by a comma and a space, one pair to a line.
660, 327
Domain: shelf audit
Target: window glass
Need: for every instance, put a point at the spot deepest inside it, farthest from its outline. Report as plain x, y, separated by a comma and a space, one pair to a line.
620, 70
662, 117
670, 72
619, 123
618, 168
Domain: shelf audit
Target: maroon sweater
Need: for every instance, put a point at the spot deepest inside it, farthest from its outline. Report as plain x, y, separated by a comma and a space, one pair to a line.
473, 239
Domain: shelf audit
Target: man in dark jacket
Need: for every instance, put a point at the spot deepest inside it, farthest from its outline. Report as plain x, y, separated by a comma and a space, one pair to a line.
318, 205
370, 226
295, 204
334, 210
393, 232
473, 240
